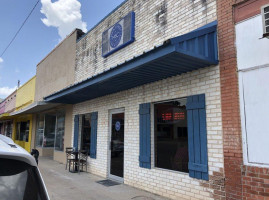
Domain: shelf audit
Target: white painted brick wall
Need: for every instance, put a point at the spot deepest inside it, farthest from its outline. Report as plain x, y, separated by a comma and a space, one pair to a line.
182, 16
160, 181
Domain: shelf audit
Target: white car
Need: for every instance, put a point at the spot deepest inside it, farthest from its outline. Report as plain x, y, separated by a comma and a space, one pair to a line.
20, 178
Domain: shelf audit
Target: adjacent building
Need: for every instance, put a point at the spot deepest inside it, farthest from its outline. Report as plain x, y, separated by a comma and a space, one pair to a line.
7, 106
53, 131
244, 69
23, 123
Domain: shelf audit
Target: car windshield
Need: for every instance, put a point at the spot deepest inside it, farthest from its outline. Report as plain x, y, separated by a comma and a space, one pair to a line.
20, 181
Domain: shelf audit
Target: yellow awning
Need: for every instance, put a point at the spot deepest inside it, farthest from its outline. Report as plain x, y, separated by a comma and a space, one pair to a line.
5, 116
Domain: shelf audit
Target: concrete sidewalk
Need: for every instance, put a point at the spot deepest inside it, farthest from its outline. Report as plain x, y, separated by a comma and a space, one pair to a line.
63, 185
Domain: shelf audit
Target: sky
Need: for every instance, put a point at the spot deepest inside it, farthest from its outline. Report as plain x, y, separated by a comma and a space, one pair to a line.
50, 22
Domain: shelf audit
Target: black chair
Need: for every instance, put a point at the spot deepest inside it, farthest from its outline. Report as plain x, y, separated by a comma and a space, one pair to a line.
81, 161
69, 156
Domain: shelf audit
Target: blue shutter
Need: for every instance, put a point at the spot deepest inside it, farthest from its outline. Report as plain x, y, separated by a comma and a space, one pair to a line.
197, 137
76, 128
144, 133
94, 117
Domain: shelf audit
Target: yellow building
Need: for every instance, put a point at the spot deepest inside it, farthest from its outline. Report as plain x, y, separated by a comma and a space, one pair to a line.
22, 123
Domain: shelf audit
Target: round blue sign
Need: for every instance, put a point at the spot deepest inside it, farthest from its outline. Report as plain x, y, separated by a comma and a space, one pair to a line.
117, 126
115, 35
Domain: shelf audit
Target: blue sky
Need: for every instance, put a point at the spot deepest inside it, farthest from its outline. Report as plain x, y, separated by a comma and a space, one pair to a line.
38, 37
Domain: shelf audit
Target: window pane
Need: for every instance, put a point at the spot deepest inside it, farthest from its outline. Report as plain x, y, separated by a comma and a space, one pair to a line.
23, 129
18, 131
7, 127
86, 132
59, 143
49, 133
1, 128
40, 130
171, 136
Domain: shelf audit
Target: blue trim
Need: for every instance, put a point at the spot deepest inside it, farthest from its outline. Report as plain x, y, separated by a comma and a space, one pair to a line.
144, 136
114, 10
76, 129
178, 55
94, 118
132, 35
197, 137
196, 33
114, 72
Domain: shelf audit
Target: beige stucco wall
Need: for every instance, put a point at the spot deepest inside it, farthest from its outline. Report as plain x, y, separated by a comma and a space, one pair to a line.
50, 152
56, 70
53, 73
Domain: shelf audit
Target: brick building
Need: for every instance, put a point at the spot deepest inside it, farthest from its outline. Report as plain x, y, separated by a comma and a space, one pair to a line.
167, 96
243, 55
144, 75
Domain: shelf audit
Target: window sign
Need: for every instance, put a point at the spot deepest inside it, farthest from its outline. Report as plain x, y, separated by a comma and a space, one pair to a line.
119, 35
117, 125
171, 136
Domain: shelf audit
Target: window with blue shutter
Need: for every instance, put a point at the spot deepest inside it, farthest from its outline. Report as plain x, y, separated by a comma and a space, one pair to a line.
76, 129
93, 145
197, 137
144, 134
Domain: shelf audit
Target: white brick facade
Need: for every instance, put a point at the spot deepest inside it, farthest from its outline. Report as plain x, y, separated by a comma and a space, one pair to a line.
160, 181
177, 17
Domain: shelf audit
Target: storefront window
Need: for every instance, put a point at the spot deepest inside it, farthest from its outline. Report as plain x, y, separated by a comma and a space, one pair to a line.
1, 128
7, 128
18, 131
22, 131
40, 130
86, 132
49, 133
59, 139
171, 136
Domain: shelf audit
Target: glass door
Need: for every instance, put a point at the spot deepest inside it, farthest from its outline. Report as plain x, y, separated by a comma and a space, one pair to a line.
116, 145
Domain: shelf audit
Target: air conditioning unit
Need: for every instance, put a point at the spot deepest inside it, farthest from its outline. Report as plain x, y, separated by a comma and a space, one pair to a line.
265, 19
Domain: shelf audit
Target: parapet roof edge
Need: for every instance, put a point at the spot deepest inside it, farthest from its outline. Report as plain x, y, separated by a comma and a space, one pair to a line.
26, 82
9, 96
76, 29
102, 20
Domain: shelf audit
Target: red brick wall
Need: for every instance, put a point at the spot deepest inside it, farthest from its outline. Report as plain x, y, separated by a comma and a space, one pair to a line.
255, 182
230, 100
241, 182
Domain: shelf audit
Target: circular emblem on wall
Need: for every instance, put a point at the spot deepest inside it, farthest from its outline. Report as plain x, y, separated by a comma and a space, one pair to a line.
115, 35
117, 126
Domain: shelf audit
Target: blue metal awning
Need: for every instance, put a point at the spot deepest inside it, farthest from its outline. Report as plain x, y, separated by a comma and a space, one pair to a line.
178, 55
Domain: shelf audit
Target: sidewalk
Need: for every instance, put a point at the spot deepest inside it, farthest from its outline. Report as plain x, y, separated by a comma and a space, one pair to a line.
63, 185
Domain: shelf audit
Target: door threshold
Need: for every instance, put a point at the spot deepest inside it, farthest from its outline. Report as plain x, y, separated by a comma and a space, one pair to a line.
115, 178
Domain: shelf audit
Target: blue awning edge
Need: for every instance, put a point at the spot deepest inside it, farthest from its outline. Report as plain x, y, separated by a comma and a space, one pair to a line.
185, 53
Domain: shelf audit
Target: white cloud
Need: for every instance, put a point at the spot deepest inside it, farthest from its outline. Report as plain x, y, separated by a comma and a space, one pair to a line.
1, 60
65, 15
5, 91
